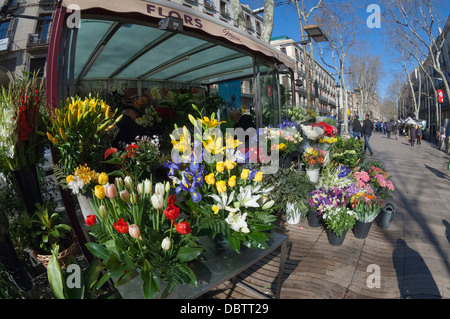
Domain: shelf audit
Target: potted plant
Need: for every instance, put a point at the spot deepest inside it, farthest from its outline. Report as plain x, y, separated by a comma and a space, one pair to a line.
44, 230
367, 207
338, 221
291, 203
313, 160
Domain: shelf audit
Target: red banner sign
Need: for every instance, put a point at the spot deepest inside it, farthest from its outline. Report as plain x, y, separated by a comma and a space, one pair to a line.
441, 96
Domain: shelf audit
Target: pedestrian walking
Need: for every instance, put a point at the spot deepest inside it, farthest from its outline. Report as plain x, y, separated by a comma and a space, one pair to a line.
389, 130
367, 130
384, 128
412, 134
419, 135
356, 127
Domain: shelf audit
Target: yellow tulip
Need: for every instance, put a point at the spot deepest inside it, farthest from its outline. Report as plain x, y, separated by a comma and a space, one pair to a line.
103, 178
229, 165
99, 191
210, 179
220, 167
258, 177
221, 186
282, 146
232, 181
244, 174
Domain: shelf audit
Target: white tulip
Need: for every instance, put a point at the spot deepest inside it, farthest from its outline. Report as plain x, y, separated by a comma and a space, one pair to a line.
166, 243
157, 201
159, 189
147, 186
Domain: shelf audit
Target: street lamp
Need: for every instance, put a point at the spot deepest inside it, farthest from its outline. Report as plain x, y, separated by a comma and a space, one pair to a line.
338, 87
312, 31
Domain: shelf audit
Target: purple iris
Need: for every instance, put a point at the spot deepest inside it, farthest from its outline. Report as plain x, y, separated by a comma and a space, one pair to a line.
172, 167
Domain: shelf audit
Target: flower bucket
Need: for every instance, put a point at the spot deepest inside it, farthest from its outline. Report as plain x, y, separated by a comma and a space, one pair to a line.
27, 183
293, 214
361, 230
335, 240
313, 218
313, 174
387, 214
85, 205
63, 256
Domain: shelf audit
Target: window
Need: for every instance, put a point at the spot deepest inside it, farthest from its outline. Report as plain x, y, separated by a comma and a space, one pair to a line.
4, 27
43, 29
223, 8
283, 50
37, 65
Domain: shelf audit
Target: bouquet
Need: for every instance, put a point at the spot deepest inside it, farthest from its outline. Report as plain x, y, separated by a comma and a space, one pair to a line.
79, 130
328, 130
340, 176
312, 132
300, 114
140, 230
20, 107
313, 158
84, 178
147, 115
366, 206
221, 196
326, 199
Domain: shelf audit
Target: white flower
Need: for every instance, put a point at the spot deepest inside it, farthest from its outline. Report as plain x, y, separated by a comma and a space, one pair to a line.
76, 185
237, 222
313, 133
224, 201
166, 243
246, 198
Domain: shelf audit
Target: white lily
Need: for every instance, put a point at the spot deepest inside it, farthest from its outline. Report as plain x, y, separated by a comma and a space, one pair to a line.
224, 201
237, 222
246, 198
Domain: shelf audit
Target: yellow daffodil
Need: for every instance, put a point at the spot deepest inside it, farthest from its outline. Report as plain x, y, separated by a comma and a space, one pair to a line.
210, 179
258, 177
210, 123
103, 179
232, 181
99, 191
282, 146
220, 167
221, 186
244, 174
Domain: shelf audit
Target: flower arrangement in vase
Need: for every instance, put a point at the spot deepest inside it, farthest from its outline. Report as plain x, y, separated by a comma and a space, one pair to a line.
140, 229
313, 159
221, 195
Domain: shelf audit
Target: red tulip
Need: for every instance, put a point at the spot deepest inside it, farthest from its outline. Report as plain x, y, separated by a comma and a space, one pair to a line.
171, 200
172, 212
121, 226
110, 151
91, 220
183, 228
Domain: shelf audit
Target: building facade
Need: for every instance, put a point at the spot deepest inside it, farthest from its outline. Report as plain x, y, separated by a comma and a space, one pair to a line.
323, 88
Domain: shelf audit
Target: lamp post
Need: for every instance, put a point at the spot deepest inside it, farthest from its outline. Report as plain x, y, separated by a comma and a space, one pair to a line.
313, 31
338, 87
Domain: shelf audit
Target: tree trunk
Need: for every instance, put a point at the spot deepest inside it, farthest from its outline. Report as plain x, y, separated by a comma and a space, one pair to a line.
267, 28
238, 15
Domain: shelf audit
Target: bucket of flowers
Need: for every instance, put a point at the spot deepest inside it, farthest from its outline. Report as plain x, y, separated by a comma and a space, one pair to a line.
313, 159
367, 207
222, 196
140, 230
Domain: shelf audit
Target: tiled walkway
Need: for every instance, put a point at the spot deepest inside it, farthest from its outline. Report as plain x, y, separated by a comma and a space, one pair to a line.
412, 255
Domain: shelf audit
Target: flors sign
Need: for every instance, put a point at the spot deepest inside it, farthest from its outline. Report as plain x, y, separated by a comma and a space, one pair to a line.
161, 12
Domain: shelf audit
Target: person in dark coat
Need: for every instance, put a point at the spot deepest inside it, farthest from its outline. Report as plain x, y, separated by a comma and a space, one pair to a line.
243, 121
412, 134
128, 128
419, 135
389, 130
367, 130
356, 127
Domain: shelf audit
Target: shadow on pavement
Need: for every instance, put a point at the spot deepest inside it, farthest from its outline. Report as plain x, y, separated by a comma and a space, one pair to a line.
447, 229
437, 172
415, 280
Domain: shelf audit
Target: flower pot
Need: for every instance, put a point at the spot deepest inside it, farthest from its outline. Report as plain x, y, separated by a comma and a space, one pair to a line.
335, 240
285, 161
361, 229
313, 174
387, 214
63, 256
293, 214
85, 205
313, 218
27, 183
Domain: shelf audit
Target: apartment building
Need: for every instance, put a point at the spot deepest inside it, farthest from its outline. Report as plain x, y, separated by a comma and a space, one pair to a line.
323, 88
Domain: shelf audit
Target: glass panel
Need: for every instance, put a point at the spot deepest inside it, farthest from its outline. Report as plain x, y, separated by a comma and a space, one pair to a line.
269, 99
161, 54
89, 34
200, 58
127, 41
218, 68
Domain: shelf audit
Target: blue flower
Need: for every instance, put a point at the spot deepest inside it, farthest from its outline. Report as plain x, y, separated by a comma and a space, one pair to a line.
172, 167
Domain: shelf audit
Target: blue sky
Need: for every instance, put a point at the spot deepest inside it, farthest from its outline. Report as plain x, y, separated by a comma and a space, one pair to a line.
286, 23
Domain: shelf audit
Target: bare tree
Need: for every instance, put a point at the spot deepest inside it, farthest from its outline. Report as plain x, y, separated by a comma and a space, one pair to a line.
339, 22
238, 15
366, 70
420, 23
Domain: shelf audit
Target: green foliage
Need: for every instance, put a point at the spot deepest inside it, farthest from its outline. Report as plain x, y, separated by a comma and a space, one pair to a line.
44, 229
348, 151
290, 185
